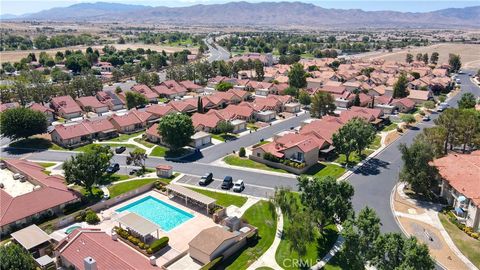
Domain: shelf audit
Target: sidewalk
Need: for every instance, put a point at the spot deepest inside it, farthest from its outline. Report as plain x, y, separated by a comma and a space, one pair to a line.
420, 219
268, 258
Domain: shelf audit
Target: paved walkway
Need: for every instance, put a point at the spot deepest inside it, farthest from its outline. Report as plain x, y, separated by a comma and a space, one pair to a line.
424, 216
233, 210
268, 258
333, 251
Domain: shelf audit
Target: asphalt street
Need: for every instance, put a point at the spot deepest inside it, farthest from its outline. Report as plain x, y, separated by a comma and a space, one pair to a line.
217, 53
374, 181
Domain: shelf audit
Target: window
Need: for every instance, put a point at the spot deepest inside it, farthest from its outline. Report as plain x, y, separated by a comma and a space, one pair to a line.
300, 156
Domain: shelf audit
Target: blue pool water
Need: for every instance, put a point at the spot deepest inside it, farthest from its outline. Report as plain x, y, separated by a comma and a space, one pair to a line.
161, 213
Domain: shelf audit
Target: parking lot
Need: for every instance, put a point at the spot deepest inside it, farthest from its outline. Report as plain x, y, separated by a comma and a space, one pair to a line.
252, 190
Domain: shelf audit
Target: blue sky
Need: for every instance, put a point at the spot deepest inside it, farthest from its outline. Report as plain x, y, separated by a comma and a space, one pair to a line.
31, 6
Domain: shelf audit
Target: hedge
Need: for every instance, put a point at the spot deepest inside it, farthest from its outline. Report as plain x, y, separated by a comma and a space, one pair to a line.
158, 244
212, 264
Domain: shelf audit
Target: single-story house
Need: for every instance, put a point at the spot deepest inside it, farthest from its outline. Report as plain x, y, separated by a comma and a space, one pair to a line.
132, 121
111, 99
403, 105
40, 108
92, 104
211, 243
420, 96
49, 196
65, 107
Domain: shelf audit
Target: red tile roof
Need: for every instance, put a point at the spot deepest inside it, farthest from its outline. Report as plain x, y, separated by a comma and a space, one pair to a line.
153, 130
145, 90
52, 192
160, 110
65, 104
107, 253
84, 128
462, 172
39, 108
90, 101
190, 85
6, 106
209, 119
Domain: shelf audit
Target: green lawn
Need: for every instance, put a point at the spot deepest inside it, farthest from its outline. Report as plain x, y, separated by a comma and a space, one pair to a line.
376, 143
46, 164
36, 143
224, 137
260, 144
248, 163
124, 187
223, 199
125, 137
159, 151
263, 216
390, 127
469, 246
117, 177
324, 169
335, 264
144, 142
354, 158
112, 145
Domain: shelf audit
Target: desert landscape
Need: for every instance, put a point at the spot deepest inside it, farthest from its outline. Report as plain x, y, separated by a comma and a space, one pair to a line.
469, 53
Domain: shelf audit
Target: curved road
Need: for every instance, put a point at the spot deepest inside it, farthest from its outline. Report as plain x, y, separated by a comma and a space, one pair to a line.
217, 53
373, 182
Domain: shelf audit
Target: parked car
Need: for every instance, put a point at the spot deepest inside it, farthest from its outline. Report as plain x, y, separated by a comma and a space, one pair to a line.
132, 172
227, 182
426, 118
120, 149
206, 179
106, 196
115, 167
442, 107
239, 186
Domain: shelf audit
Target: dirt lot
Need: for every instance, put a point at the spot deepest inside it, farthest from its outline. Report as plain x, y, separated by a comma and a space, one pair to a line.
15, 56
469, 53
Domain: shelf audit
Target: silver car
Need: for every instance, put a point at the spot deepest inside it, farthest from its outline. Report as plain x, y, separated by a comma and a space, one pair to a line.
239, 186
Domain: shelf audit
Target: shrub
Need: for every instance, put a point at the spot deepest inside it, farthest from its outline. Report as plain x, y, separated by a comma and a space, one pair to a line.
141, 245
91, 217
270, 157
159, 244
147, 246
241, 153
475, 235
149, 251
212, 263
422, 113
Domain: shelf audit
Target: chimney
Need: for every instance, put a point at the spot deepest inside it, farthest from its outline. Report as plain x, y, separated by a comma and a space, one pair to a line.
153, 260
114, 236
89, 263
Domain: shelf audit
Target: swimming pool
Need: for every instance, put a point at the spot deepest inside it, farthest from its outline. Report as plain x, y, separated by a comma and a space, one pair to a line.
161, 213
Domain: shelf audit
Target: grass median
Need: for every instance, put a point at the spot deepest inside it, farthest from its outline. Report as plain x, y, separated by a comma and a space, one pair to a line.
248, 163
223, 199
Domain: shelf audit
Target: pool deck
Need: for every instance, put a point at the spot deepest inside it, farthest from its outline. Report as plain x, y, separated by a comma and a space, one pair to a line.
179, 236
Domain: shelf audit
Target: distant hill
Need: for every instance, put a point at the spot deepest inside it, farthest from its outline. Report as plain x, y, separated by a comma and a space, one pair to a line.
273, 14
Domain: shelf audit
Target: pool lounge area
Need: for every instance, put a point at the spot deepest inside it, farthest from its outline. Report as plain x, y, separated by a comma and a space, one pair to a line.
165, 215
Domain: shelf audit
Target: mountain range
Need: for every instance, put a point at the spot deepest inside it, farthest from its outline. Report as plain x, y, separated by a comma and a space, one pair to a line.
270, 14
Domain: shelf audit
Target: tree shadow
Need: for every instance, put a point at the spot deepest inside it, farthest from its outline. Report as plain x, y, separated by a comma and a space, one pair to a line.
372, 167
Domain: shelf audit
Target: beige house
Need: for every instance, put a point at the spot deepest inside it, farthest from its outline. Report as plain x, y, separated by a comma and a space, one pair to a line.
211, 243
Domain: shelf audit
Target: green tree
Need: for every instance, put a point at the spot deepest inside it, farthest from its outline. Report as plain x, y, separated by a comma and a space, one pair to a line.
292, 91
434, 58
449, 121
356, 100
434, 136
429, 105
468, 128
299, 233
355, 135
154, 79
297, 77
176, 130
13, 256
224, 127
425, 58
116, 74
416, 170
400, 87
135, 99
467, 101
200, 105
143, 78
304, 98
409, 58
419, 57
322, 104
137, 157
89, 167
223, 86
394, 251
259, 72
18, 123
455, 62
407, 118
326, 198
